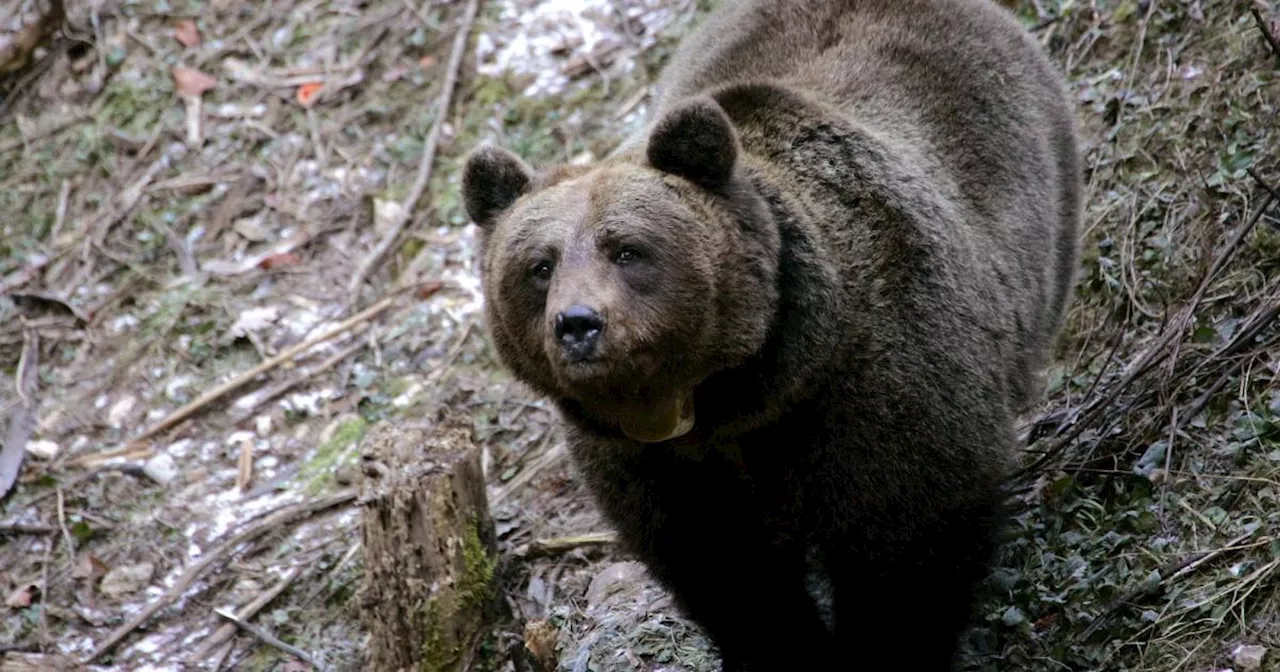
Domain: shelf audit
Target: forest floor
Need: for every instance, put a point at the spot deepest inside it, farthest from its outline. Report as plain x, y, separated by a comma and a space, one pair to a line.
211, 287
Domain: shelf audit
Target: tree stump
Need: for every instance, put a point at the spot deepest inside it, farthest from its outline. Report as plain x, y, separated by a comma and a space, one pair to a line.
429, 545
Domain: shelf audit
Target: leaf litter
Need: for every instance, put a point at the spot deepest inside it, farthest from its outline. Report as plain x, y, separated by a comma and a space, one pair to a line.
188, 255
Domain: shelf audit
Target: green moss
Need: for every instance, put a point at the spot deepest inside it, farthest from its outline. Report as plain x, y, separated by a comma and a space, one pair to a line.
317, 472
477, 575
474, 589
438, 655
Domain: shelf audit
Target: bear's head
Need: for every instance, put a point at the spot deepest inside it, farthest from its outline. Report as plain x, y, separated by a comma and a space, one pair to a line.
618, 288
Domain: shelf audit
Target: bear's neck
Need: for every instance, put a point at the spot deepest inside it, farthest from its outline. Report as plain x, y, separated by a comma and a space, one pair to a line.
802, 343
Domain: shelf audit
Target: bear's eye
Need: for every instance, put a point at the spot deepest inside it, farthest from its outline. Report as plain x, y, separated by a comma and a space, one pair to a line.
542, 270
626, 255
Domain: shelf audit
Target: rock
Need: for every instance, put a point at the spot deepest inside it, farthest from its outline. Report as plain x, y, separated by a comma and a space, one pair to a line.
1248, 657
45, 450
121, 581
161, 468
615, 582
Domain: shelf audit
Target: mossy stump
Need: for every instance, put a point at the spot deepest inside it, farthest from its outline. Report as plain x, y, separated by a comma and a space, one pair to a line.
429, 545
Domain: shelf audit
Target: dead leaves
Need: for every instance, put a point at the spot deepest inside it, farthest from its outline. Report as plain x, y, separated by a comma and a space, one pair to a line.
186, 32
191, 82
428, 289
277, 260
20, 598
307, 93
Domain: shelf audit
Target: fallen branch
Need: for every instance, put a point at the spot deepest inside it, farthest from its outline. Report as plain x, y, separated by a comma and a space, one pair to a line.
1266, 32
530, 470
280, 518
1159, 351
57, 126
554, 545
127, 199
247, 411
268, 639
18, 528
226, 630
1275, 192
130, 449
1168, 573
428, 153
14, 449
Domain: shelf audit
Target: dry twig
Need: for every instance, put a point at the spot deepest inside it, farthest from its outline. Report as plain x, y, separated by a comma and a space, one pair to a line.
130, 449
1168, 573
1159, 351
533, 468
428, 153
551, 546
18, 528
269, 639
1266, 32
280, 518
226, 630
22, 420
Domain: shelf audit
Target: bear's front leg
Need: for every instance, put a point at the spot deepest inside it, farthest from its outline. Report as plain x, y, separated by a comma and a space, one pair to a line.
704, 539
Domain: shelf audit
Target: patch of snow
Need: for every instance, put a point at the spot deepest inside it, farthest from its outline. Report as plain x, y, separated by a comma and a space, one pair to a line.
225, 516
120, 411
254, 319
302, 321
43, 449
161, 468
407, 398
543, 32
249, 400
307, 403
173, 389
180, 447
122, 323
70, 644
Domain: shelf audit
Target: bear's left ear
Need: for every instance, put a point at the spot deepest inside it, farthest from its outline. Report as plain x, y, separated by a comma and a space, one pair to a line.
492, 179
696, 141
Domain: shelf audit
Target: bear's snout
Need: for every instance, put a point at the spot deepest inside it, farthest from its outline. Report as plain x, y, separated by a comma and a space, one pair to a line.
577, 330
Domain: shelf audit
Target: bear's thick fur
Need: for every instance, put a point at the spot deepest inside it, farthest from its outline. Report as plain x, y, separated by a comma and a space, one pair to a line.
789, 324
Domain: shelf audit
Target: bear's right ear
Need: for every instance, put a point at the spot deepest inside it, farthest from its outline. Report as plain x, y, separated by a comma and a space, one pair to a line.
696, 141
492, 179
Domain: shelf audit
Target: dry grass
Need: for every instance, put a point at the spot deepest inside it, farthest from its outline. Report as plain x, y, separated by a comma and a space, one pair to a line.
1149, 537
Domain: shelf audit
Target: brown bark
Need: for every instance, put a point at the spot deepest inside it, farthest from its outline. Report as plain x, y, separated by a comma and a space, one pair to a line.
429, 545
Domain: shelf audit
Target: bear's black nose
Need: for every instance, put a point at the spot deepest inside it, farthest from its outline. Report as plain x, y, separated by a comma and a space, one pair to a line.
578, 329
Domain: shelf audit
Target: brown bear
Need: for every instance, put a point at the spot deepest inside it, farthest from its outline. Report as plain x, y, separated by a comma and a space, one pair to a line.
790, 323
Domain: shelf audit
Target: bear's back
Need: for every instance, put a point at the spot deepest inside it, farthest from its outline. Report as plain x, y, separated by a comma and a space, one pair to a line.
964, 95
